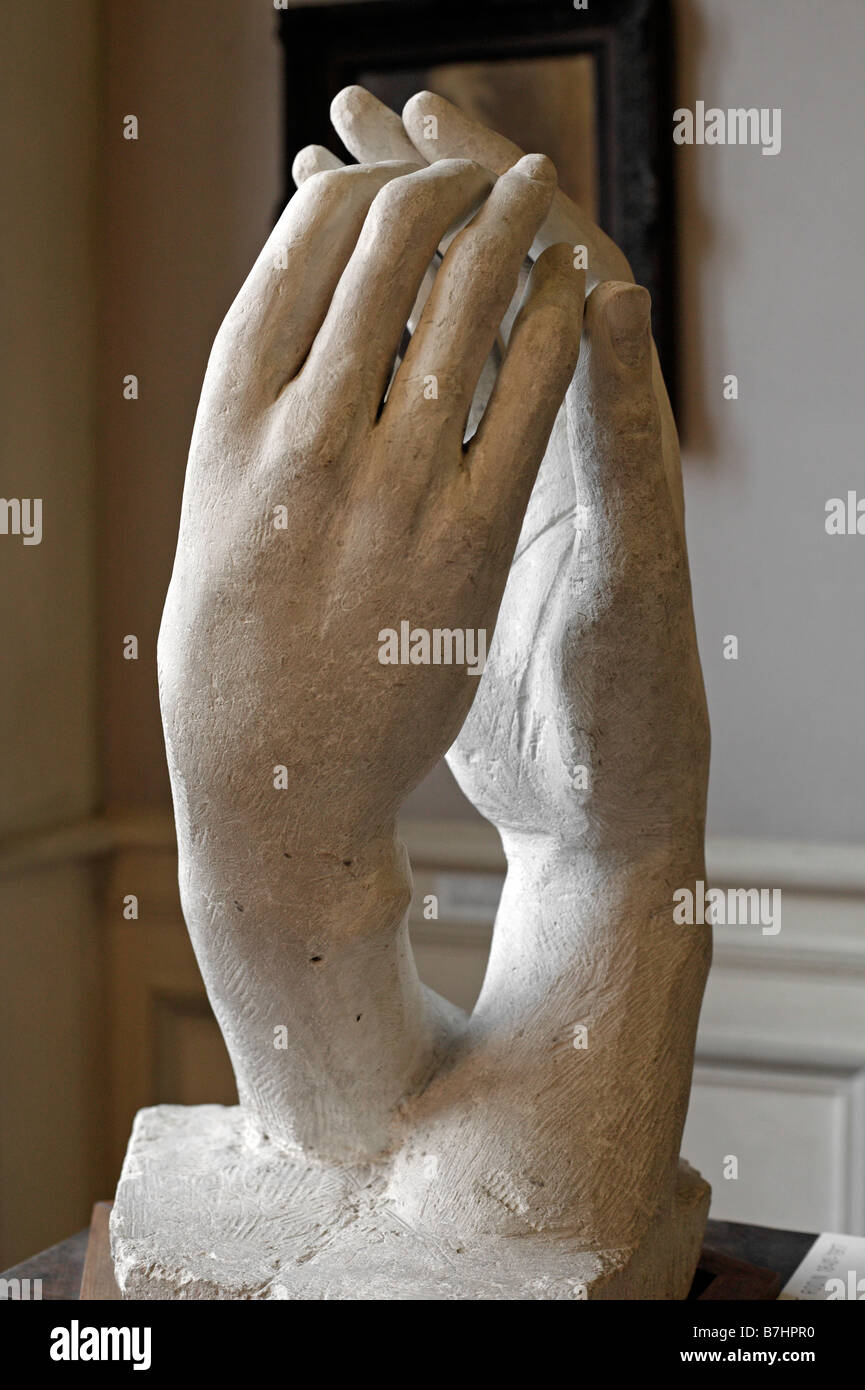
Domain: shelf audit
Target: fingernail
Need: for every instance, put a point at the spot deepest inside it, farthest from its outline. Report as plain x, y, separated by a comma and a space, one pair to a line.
628, 312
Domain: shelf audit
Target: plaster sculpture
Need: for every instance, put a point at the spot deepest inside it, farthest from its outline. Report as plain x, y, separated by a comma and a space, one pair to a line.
388, 1146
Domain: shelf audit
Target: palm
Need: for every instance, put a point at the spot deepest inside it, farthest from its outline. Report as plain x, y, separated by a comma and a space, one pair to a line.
513, 763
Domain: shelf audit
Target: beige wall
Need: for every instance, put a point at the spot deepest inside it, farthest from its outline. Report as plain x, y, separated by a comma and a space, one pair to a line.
50, 958
49, 133
774, 291
187, 207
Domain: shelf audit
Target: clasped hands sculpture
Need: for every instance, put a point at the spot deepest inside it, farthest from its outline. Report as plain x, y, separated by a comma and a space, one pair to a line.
387, 1145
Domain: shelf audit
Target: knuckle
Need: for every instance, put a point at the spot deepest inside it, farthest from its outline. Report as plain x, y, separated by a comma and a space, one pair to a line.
391, 204
326, 188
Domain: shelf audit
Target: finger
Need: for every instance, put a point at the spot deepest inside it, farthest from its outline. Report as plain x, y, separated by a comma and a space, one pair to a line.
439, 130
315, 159
274, 319
369, 129
615, 426
504, 457
472, 291
355, 349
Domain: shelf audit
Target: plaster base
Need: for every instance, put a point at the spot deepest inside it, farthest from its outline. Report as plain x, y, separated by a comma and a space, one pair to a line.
204, 1211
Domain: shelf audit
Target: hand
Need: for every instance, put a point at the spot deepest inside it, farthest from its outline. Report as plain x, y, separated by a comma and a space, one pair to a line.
539, 753
314, 517
588, 747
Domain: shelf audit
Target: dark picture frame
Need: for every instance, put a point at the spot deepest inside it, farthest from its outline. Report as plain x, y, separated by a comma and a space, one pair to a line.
327, 47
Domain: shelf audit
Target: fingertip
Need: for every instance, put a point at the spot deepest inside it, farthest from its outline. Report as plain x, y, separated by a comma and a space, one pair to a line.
312, 159
347, 102
625, 310
420, 118
369, 128
537, 167
558, 259
301, 166
557, 282
420, 105
529, 184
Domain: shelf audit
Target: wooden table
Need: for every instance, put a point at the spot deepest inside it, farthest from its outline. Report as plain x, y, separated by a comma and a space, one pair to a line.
738, 1262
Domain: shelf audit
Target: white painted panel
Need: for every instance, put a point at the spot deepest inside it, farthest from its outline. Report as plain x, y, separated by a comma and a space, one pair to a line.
793, 1136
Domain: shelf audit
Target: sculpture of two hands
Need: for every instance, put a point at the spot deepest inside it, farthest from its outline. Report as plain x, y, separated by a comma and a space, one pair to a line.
330, 495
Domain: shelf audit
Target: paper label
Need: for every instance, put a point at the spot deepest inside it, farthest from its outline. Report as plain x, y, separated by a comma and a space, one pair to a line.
834, 1268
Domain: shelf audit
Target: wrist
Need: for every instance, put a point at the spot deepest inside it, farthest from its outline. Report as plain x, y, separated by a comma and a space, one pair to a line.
567, 912
308, 967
